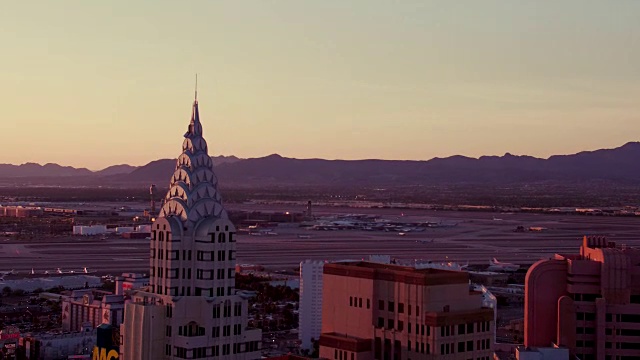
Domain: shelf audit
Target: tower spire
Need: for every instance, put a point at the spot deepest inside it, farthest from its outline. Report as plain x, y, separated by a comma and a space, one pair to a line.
196, 95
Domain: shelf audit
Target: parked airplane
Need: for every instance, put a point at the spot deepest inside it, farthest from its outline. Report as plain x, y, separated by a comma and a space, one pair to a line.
495, 265
5, 273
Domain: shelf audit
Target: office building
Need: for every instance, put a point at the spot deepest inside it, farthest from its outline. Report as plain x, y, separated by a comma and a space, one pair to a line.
587, 302
310, 302
190, 310
392, 312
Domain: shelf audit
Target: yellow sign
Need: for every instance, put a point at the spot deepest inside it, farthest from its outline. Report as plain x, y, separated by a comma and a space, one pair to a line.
102, 354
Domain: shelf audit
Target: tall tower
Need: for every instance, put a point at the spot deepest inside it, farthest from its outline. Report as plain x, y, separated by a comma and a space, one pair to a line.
190, 309
152, 195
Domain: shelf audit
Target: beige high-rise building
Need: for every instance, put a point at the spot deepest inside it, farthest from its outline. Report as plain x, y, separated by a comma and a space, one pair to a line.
190, 310
390, 312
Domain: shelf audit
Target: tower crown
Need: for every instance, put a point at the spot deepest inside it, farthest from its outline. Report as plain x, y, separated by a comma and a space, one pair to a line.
193, 191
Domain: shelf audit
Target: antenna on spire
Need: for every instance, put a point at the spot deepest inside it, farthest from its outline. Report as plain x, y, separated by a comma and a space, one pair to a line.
196, 95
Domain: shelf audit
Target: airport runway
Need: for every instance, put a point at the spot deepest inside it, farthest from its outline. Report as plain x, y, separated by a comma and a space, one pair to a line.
476, 238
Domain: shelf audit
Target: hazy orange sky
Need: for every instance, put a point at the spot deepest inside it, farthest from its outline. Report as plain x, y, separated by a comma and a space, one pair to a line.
95, 83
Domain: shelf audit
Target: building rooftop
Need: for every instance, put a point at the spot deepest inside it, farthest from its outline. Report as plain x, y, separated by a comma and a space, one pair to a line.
396, 273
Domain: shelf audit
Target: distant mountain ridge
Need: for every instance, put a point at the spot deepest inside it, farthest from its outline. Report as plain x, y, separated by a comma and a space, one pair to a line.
618, 164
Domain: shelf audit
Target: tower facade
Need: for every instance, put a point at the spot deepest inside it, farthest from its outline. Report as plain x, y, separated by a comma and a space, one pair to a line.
310, 302
190, 310
588, 302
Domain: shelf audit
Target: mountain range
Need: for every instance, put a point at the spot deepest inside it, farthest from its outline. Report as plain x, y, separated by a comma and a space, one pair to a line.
618, 165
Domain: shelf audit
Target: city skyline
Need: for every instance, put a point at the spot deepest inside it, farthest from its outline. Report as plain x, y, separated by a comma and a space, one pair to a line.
406, 80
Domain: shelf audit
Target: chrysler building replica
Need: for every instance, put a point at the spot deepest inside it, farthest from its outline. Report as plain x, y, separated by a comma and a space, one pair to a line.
190, 310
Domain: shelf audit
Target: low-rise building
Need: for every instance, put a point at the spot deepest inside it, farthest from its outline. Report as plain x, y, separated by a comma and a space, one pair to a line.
93, 307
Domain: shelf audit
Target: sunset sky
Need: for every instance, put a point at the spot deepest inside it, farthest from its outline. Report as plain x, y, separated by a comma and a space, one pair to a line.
96, 83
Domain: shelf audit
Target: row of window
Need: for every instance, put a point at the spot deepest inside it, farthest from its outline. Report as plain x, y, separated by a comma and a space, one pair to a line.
342, 355
609, 345
623, 332
203, 352
357, 302
201, 274
445, 331
222, 237
589, 316
221, 255
211, 255
189, 330
226, 309
186, 291
482, 326
421, 347
391, 307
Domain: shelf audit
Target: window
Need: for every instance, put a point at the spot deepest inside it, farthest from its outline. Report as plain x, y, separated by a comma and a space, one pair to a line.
390, 324
237, 309
359, 305
232, 254
168, 331
222, 238
216, 311
215, 331
632, 318
461, 328
380, 322
172, 273
380, 304
400, 308
470, 328
400, 325
350, 301
391, 306
461, 347
409, 328
368, 303
470, 345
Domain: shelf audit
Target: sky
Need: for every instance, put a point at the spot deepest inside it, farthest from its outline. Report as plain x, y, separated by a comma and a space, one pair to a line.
96, 83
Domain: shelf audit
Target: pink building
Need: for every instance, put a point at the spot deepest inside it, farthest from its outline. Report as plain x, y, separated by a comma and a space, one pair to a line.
390, 312
587, 302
